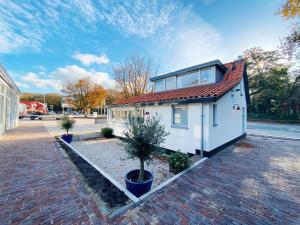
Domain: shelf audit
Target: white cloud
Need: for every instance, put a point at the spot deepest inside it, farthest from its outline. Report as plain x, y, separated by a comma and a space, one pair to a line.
140, 18
25, 25
56, 79
88, 59
74, 72
35, 80
23, 85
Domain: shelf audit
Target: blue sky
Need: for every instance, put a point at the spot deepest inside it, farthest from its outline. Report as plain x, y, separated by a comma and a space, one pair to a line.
45, 43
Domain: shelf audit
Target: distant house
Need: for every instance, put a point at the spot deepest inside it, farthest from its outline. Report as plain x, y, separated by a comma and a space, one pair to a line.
203, 107
9, 102
34, 106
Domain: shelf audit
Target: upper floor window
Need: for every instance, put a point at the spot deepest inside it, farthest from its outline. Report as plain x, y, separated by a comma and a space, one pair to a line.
159, 85
207, 76
170, 83
187, 80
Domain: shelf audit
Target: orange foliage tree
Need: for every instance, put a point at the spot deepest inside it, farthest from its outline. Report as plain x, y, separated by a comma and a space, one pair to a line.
84, 95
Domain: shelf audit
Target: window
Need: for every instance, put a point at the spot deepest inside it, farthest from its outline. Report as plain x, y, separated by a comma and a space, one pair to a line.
187, 80
207, 76
170, 83
215, 115
179, 116
159, 85
1, 109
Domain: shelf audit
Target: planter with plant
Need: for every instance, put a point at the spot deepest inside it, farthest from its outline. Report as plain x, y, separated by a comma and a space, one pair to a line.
67, 124
178, 162
107, 132
142, 140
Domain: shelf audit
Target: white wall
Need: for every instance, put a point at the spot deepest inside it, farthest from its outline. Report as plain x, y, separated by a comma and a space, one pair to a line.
230, 123
9, 110
185, 139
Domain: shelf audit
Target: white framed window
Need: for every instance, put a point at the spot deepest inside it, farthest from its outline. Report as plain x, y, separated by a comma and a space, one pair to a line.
170, 83
215, 111
180, 116
159, 85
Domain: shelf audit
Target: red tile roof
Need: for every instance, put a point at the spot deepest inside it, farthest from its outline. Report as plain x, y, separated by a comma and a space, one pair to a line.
232, 77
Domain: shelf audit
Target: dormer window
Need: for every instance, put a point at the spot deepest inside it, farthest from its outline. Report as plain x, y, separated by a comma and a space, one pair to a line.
188, 80
159, 85
207, 76
202, 74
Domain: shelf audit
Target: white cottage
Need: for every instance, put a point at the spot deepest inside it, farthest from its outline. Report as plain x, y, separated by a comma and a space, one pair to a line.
203, 107
9, 102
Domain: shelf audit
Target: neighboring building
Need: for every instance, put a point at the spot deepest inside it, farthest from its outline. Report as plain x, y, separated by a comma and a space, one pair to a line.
203, 107
9, 102
34, 106
22, 110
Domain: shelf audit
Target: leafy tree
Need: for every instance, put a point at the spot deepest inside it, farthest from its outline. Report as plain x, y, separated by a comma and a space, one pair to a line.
84, 95
143, 138
259, 64
53, 99
275, 86
291, 9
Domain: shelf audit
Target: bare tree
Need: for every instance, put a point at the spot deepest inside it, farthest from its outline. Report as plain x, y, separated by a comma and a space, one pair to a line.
133, 75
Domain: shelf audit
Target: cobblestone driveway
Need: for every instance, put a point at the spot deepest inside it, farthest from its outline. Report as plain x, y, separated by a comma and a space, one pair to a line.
255, 182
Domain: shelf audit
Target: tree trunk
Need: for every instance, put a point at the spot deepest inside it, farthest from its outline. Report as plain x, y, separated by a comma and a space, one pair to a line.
141, 175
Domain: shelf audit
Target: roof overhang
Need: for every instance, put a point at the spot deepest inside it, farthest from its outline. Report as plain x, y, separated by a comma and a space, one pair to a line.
178, 101
190, 69
8, 80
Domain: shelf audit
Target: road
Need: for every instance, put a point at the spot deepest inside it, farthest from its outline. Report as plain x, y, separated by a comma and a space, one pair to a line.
276, 130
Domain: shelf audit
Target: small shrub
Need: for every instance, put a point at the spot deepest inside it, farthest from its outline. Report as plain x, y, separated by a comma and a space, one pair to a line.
66, 123
179, 161
107, 132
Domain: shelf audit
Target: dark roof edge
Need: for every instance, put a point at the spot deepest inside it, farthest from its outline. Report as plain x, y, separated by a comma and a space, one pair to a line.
188, 69
178, 101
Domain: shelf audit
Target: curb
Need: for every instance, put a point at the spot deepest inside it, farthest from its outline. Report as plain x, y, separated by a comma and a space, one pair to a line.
274, 137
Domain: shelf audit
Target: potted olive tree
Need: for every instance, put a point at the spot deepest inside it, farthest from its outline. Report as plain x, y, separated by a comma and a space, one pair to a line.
67, 124
142, 140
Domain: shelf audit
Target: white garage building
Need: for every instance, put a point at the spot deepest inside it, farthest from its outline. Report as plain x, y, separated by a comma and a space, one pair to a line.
9, 102
203, 107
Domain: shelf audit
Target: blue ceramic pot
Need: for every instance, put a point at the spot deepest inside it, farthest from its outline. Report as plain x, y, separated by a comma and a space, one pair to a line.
138, 188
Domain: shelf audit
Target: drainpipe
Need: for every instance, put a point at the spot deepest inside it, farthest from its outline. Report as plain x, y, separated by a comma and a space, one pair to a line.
202, 129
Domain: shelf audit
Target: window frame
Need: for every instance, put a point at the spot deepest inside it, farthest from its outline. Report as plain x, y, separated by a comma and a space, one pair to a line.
164, 85
182, 126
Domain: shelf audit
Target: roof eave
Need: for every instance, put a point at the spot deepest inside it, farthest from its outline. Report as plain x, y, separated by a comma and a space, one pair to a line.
217, 63
177, 101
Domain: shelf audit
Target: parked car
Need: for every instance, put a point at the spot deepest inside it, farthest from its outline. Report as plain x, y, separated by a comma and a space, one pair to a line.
36, 115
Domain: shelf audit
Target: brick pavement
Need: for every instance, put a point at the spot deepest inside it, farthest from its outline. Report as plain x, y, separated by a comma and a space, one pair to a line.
255, 182
258, 184
38, 184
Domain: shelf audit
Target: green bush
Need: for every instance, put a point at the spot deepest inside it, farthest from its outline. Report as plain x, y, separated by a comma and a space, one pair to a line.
179, 161
107, 132
66, 123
